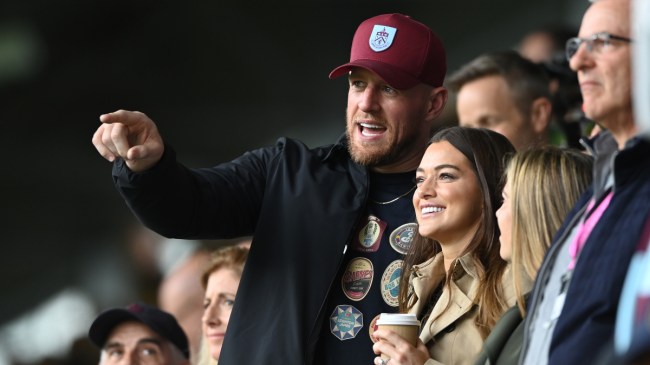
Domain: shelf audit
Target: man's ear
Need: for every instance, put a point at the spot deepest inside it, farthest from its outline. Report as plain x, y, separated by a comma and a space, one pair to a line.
540, 114
437, 102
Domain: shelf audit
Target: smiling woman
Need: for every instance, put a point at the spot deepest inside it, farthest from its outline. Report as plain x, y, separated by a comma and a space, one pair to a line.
458, 192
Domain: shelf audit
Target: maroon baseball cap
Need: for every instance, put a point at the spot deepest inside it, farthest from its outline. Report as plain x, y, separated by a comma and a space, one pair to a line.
402, 51
159, 321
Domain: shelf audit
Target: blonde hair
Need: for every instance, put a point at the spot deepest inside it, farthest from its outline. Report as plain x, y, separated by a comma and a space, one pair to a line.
204, 357
231, 258
544, 184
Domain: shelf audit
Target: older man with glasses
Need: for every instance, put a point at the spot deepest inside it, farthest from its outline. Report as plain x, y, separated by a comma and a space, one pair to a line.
596, 43
575, 298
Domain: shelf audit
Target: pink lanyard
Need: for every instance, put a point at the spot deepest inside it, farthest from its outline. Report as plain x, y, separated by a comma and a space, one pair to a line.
586, 227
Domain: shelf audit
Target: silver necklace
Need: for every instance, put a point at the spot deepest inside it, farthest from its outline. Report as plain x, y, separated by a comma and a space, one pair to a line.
396, 199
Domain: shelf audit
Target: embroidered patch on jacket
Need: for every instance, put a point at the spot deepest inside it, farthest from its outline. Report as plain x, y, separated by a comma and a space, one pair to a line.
372, 327
369, 236
401, 238
345, 322
390, 283
381, 37
357, 278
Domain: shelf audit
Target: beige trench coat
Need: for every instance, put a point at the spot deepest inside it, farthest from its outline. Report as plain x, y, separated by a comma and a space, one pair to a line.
457, 340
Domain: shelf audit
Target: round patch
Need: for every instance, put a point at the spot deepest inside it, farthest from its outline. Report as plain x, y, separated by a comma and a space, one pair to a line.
345, 322
372, 327
357, 278
390, 283
401, 238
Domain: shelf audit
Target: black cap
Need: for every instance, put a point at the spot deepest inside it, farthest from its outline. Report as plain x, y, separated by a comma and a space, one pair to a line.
159, 321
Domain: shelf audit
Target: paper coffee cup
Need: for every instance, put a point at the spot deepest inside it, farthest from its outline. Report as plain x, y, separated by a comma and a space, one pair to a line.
405, 325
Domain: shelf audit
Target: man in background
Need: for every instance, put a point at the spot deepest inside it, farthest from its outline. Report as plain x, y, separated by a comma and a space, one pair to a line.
139, 334
574, 302
506, 93
180, 293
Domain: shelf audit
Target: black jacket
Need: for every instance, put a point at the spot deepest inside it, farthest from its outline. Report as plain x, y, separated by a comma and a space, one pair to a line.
300, 204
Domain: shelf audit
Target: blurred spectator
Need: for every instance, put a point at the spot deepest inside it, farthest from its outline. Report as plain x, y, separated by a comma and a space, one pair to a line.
145, 252
546, 43
139, 334
220, 280
632, 335
545, 46
181, 294
506, 93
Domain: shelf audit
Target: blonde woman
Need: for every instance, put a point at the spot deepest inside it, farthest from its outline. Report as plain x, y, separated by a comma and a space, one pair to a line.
542, 185
220, 280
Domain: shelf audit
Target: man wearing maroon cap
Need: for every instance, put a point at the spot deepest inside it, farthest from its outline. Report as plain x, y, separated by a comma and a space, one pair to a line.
330, 224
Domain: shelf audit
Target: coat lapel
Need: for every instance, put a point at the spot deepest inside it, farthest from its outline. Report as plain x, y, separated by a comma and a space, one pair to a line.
463, 290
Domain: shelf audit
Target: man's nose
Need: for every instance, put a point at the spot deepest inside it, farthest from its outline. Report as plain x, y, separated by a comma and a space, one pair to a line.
369, 99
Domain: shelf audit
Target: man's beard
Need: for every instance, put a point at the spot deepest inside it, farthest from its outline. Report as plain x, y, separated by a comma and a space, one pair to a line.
382, 155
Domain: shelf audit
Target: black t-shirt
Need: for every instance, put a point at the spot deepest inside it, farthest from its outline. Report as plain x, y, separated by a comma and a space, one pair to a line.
368, 280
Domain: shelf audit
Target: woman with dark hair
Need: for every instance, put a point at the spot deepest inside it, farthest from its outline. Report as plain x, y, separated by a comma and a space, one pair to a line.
453, 277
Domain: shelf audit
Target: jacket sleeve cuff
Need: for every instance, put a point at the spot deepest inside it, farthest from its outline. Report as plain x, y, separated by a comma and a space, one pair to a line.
124, 175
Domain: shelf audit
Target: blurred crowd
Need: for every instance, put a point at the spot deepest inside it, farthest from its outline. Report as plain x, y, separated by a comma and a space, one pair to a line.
540, 176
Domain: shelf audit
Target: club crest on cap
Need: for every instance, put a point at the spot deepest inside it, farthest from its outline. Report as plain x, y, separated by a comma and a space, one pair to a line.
381, 37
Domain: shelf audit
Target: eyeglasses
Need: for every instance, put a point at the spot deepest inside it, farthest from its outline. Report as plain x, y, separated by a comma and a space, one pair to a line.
595, 43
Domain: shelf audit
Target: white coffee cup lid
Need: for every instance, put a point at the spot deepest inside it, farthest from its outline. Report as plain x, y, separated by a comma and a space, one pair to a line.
400, 319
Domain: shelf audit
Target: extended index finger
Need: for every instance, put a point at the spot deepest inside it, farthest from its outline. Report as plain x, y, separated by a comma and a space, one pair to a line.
125, 117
